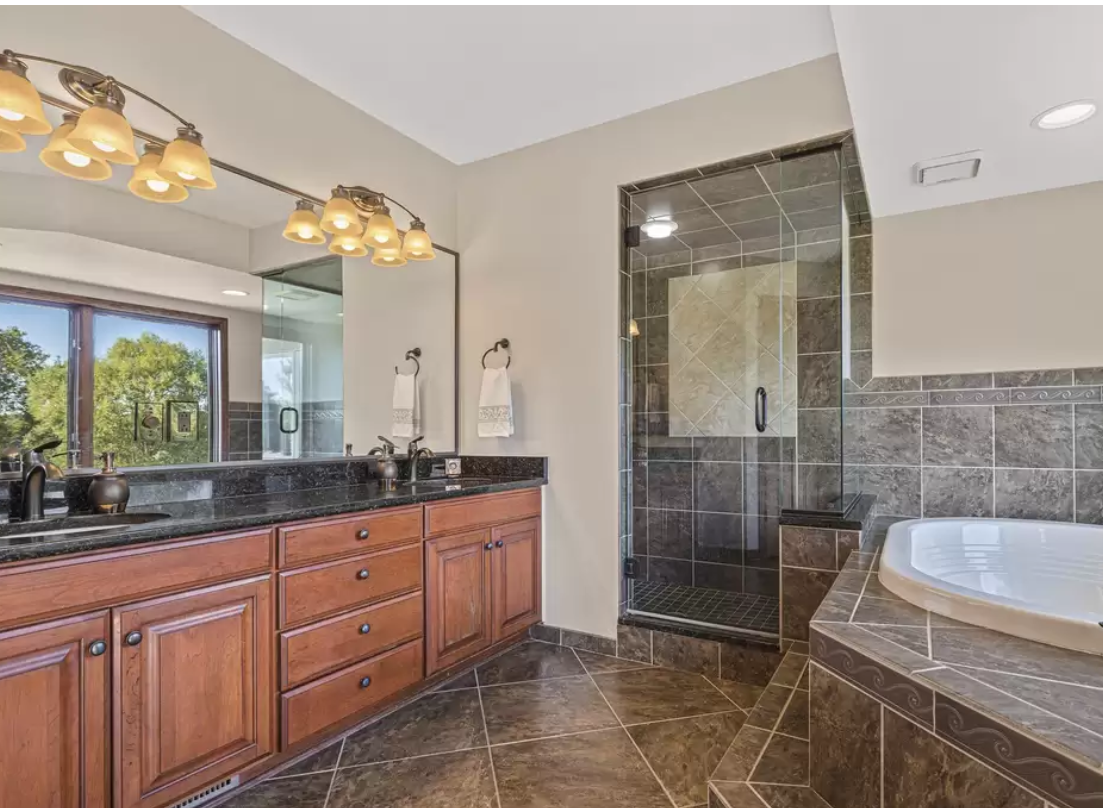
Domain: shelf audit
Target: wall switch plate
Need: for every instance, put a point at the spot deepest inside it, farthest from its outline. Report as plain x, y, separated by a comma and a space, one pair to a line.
453, 467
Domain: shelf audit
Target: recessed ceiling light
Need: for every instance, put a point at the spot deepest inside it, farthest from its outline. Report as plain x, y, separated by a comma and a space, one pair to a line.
235, 293
1069, 114
659, 227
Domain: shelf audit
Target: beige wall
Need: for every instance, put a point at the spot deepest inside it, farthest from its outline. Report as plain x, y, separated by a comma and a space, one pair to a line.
539, 233
1005, 284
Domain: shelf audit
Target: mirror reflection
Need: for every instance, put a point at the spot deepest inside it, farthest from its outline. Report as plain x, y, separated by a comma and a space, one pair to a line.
196, 332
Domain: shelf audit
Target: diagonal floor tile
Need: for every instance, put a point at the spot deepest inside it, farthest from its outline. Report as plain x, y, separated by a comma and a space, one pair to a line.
530, 710
528, 662
785, 761
456, 780
770, 707
739, 760
322, 761
744, 695
683, 752
437, 722
464, 680
596, 770
655, 694
599, 663
308, 791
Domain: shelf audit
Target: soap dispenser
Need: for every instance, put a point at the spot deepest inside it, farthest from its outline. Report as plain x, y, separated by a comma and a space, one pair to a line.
109, 490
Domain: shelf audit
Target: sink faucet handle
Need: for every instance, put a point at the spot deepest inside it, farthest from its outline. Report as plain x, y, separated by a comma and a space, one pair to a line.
387, 442
411, 448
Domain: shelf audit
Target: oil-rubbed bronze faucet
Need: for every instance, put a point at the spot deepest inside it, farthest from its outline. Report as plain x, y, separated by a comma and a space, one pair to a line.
414, 454
36, 470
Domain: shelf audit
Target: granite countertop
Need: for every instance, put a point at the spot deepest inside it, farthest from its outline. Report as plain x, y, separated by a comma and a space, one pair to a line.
976, 687
234, 513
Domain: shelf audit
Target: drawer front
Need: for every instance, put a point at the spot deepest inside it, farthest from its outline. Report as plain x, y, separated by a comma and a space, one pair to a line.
313, 707
314, 541
463, 514
336, 586
339, 641
49, 589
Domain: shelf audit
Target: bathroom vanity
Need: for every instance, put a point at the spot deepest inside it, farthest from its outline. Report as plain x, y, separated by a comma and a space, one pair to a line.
143, 666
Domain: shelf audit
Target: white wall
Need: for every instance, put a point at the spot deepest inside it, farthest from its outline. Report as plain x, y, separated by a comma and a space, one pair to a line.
1004, 284
539, 234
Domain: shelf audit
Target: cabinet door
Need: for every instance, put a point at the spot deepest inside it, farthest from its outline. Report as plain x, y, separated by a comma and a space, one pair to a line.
457, 598
195, 697
516, 574
54, 733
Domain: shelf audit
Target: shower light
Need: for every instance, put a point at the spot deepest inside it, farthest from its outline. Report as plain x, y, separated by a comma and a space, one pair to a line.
1069, 114
659, 227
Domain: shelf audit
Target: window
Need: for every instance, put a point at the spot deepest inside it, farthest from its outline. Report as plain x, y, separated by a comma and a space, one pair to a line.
145, 384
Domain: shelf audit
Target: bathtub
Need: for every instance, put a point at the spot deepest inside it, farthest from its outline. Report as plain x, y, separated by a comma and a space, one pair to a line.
1039, 580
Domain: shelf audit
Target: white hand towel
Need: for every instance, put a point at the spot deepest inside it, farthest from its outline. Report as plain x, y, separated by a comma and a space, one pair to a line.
495, 404
406, 407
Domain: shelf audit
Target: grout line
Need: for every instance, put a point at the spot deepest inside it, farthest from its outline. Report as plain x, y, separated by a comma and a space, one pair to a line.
486, 737
410, 757
631, 740
737, 709
333, 778
551, 737
761, 799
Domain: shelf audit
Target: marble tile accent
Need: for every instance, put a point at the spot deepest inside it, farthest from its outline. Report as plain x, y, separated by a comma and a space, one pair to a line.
888, 399
1039, 436
438, 722
1043, 394
297, 792
957, 436
657, 694
1034, 494
540, 709
683, 753
457, 779
845, 733
598, 770
962, 398
686, 653
921, 772
530, 661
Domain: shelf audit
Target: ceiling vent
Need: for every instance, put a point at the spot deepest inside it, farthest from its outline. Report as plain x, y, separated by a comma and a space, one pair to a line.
948, 169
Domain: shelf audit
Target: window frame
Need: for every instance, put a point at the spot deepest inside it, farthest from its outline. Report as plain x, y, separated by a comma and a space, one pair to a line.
82, 311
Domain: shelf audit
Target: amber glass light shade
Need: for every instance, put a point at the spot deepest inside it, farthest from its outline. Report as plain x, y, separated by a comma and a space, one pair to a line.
416, 245
103, 133
60, 155
20, 104
381, 231
10, 140
341, 217
303, 226
346, 244
186, 161
149, 183
388, 257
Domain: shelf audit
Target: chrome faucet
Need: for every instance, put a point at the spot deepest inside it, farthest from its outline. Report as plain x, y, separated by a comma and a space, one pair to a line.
36, 470
414, 454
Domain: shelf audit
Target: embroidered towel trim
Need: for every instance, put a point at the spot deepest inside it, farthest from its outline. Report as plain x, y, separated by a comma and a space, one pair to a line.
495, 404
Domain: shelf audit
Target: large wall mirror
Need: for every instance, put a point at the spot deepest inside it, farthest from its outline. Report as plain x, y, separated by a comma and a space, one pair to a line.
195, 332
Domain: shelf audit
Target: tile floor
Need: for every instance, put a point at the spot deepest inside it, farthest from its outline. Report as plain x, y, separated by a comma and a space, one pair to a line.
543, 726
712, 606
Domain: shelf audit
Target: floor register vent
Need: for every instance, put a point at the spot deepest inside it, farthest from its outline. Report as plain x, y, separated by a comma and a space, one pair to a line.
209, 793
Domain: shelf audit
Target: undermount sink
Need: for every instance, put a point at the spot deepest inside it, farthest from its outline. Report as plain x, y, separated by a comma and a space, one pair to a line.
60, 525
442, 481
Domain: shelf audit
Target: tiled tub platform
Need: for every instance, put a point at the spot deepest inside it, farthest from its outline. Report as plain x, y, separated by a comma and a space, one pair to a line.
908, 708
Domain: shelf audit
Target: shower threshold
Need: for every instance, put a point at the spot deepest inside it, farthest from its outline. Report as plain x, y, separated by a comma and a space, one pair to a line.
706, 608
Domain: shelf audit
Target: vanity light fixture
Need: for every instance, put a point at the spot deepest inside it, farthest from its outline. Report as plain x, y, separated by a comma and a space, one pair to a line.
103, 131
20, 104
1068, 114
63, 157
235, 293
381, 231
10, 140
303, 225
340, 216
417, 246
348, 244
659, 227
186, 160
150, 183
388, 257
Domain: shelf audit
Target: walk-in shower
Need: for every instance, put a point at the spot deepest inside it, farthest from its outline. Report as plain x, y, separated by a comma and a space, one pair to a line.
732, 347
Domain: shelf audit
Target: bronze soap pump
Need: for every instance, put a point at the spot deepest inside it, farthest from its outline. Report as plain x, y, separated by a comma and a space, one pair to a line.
109, 490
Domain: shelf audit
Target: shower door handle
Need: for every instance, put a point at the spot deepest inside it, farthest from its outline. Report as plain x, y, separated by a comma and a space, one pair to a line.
760, 409
285, 422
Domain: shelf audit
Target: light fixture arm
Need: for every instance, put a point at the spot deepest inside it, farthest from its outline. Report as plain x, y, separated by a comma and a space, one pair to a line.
95, 74
368, 200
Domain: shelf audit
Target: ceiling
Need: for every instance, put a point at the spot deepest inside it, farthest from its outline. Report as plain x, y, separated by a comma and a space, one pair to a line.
470, 82
929, 81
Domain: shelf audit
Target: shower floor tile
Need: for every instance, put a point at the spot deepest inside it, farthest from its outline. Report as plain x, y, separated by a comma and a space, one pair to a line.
733, 609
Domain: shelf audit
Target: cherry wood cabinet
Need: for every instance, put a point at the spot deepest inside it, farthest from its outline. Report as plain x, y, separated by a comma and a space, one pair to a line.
459, 620
54, 729
515, 575
195, 691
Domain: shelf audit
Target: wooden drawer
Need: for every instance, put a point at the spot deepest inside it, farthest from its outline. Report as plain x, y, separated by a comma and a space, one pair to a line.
314, 541
52, 588
331, 644
335, 586
313, 707
462, 514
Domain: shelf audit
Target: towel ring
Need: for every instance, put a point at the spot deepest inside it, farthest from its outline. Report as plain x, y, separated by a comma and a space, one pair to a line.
412, 355
503, 343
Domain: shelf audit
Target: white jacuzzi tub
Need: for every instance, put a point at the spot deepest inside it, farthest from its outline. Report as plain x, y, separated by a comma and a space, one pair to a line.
1038, 580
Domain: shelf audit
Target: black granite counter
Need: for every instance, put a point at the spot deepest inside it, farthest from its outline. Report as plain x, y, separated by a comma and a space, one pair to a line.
197, 517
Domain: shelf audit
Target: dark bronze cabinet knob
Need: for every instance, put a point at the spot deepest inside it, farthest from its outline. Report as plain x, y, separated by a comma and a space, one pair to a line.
364, 629
362, 575
98, 648
489, 546
499, 543
365, 681
133, 638
362, 533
